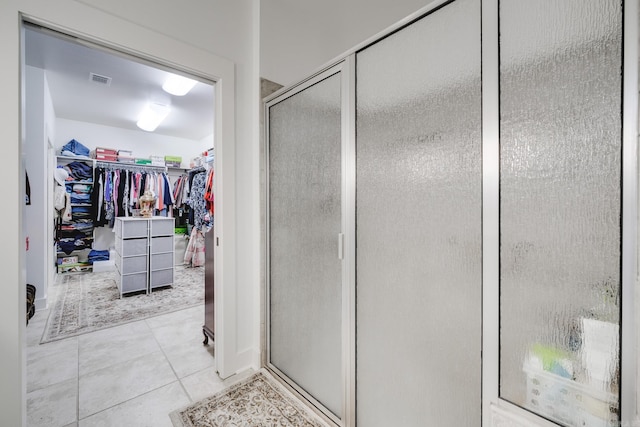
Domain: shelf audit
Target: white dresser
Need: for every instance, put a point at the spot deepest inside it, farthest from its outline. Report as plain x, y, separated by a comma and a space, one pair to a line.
144, 253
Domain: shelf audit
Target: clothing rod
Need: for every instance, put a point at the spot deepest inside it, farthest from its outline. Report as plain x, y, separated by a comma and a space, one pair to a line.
128, 166
197, 169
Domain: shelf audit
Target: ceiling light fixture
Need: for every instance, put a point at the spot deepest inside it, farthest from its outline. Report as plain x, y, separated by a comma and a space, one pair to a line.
178, 85
151, 116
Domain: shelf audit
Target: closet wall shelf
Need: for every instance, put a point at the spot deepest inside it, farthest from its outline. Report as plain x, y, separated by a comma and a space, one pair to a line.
128, 166
72, 158
111, 164
75, 251
76, 230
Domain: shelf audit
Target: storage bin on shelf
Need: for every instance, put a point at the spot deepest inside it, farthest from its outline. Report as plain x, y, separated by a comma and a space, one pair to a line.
173, 161
567, 401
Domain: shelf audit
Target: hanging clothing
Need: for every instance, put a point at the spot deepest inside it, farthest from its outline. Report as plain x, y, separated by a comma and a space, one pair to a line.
118, 190
208, 194
62, 204
181, 191
197, 203
194, 254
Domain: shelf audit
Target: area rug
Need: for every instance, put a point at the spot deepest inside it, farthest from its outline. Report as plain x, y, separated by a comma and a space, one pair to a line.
257, 401
89, 302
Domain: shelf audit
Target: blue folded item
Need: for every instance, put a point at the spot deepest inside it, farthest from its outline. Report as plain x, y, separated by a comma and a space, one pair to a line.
76, 148
80, 198
96, 255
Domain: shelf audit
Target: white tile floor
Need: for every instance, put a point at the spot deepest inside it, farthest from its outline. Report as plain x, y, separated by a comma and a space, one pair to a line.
131, 375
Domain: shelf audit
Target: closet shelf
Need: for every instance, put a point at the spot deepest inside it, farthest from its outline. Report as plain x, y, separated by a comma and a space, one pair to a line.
79, 182
73, 158
77, 229
73, 251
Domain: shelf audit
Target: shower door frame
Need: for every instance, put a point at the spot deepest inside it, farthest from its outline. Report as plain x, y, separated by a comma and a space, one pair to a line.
494, 409
345, 244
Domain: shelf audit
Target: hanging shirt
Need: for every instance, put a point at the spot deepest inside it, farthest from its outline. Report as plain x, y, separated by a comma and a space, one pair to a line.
208, 194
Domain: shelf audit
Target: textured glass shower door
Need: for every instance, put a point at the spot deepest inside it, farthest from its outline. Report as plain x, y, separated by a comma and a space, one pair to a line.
560, 208
304, 222
418, 219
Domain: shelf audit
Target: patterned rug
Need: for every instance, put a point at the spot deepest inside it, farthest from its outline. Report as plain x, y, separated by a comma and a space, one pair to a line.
91, 301
257, 401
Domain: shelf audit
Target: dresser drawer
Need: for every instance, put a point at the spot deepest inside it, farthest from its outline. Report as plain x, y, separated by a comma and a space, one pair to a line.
131, 227
134, 264
161, 261
131, 247
162, 227
161, 278
133, 282
161, 244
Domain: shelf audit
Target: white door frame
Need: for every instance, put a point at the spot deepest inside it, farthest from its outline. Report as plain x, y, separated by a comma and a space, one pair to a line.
96, 26
223, 78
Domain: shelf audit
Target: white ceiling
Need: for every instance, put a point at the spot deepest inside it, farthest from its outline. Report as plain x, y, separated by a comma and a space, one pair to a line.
68, 64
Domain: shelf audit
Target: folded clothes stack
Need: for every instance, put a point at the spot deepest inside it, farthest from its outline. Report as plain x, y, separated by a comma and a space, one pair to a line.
98, 255
70, 244
81, 188
79, 171
81, 212
74, 148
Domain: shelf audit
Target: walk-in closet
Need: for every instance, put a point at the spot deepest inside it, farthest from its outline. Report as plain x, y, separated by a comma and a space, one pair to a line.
121, 216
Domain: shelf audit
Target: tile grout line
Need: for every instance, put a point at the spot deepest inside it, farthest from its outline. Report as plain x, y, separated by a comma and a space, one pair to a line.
164, 354
177, 378
79, 352
169, 362
128, 400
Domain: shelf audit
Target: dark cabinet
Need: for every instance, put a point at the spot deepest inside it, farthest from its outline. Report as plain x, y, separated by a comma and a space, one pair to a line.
209, 269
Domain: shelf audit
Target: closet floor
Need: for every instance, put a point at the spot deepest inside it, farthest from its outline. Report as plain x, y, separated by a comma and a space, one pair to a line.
133, 374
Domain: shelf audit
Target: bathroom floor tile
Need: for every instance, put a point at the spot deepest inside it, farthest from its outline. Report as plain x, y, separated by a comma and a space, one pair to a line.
53, 406
118, 383
56, 367
115, 345
189, 357
148, 410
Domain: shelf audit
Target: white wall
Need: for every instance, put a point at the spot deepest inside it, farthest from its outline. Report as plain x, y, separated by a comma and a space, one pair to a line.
211, 38
35, 159
299, 37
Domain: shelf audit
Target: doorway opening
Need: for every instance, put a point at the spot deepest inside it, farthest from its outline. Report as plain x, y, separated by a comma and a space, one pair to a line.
78, 91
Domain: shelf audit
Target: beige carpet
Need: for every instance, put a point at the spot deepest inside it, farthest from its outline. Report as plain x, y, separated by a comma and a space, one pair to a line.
257, 401
89, 302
